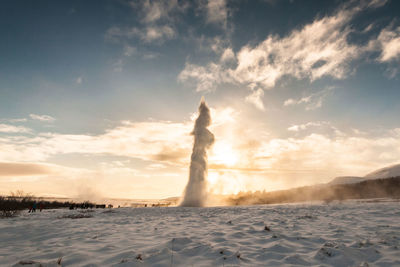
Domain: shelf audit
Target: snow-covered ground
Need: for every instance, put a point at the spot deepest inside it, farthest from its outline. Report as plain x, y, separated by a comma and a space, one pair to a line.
347, 234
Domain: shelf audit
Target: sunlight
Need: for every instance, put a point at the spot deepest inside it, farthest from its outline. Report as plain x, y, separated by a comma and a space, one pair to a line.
223, 153
225, 184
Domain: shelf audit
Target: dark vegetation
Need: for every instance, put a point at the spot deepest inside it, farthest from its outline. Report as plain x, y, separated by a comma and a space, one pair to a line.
380, 188
13, 204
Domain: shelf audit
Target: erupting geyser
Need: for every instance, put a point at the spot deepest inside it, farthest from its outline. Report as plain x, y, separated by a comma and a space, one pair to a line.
195, 194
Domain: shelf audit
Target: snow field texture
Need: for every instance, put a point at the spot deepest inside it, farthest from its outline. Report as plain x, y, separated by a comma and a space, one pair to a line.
338, 234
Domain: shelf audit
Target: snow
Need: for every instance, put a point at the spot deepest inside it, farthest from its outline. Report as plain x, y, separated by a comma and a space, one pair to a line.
387, 172
351, 233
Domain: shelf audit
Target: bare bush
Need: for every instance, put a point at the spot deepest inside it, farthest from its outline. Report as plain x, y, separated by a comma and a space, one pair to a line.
8, 213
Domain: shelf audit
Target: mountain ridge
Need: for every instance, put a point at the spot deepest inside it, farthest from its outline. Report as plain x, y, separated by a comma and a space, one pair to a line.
382, 173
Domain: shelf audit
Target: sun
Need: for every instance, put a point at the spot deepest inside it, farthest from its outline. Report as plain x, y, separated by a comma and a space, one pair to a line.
223, 153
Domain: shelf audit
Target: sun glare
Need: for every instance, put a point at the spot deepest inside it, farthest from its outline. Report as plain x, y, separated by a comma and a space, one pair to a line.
223, 153
225, 184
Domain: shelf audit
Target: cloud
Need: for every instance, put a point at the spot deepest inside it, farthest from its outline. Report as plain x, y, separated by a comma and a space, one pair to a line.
129, 50
278, 163
349, 154
150, 55
79, 80
153, 11
217, 12
296, 128
16, 120
153, 33
255, 98
317, 152
156, 166
389, 43
156, 19
6, 128
25, 169
228, 55
158, 141
147, 34
46, 118
311, 155
321, 127
164, 145
312, 101
172, 155
118, 66
206, 77
316, 50
375, 3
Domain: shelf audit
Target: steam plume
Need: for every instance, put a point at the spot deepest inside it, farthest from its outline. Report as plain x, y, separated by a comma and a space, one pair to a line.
195, 194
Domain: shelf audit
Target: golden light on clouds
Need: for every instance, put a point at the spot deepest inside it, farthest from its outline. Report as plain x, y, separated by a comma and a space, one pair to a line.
153, 157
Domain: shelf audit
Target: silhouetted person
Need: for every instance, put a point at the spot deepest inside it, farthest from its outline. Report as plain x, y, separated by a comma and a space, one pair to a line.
33, 208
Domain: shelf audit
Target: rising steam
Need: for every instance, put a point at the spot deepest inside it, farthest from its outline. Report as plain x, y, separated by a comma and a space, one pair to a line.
195, 194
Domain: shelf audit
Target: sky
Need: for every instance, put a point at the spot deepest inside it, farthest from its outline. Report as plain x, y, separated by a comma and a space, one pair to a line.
98, 99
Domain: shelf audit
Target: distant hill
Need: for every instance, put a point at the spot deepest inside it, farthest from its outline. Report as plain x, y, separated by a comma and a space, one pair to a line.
387, 172
390, 171
346, 180
381, 183
375, 188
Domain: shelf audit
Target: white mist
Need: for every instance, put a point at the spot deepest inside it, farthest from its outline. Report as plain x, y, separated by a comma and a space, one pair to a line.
195, 194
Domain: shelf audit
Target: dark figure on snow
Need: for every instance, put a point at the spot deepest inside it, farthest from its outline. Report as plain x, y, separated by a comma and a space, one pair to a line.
33, 208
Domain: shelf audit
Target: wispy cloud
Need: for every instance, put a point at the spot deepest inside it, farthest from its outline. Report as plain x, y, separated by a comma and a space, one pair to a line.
350, 154
299, 127
159, 141
389, 43
15, 120
79, 80
255, 98
46, 118
206, 78
153, 33
147, 34
320, 127
25, 169
7, 128
312, 101
118, 65
217, 12
156, 19
317, 50
129, 50
153, 11
227, 56
256, 155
